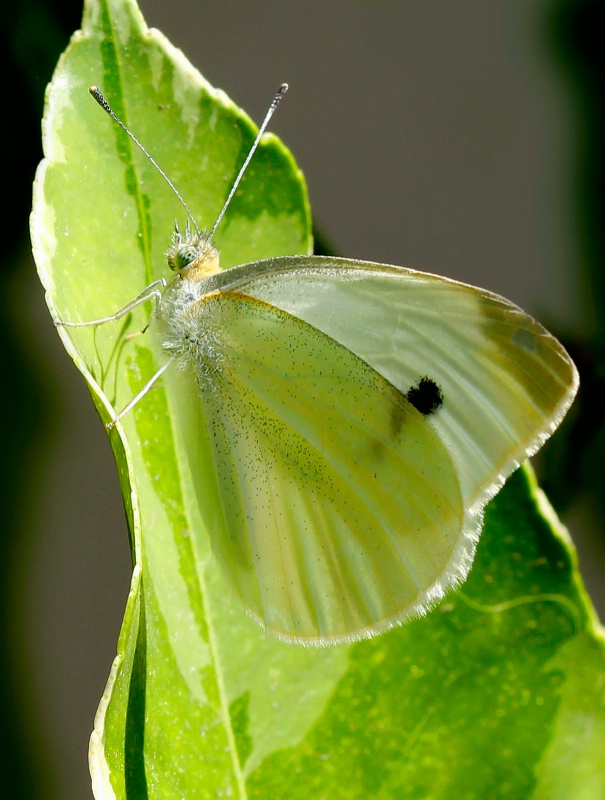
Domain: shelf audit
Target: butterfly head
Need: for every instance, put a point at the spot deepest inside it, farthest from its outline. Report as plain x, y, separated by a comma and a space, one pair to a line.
191, 253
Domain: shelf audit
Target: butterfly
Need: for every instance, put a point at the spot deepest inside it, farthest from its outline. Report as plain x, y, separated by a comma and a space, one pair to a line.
358, 417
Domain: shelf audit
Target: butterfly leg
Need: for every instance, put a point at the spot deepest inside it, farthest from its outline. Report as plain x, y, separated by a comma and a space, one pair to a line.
153, 291
141, 394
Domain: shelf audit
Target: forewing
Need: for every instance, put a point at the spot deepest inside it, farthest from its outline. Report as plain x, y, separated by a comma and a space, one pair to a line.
336, 510
505, 381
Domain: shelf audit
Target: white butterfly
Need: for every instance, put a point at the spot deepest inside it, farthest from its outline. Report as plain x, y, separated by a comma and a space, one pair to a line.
358, 417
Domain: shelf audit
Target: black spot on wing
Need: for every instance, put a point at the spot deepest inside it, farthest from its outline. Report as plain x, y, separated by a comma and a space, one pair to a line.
426, 396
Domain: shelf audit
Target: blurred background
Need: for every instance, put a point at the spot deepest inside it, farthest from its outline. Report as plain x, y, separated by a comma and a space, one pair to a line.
462, 139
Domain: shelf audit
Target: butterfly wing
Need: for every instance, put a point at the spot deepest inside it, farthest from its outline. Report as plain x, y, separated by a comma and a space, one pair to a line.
505, 382
334, 507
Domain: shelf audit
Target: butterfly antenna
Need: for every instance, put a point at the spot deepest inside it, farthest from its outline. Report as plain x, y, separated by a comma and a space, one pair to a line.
274, 103
101, 100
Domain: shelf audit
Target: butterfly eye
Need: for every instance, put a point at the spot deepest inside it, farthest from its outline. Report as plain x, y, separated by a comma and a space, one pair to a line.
182, 256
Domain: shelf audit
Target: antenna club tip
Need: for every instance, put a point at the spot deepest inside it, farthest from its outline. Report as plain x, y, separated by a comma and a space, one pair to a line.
98, 96
283, 88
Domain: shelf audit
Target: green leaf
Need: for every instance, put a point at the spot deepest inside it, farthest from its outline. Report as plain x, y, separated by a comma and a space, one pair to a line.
498, 693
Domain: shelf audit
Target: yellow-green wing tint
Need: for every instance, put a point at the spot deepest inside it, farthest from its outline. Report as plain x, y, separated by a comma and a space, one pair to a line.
506, 382
335, 509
